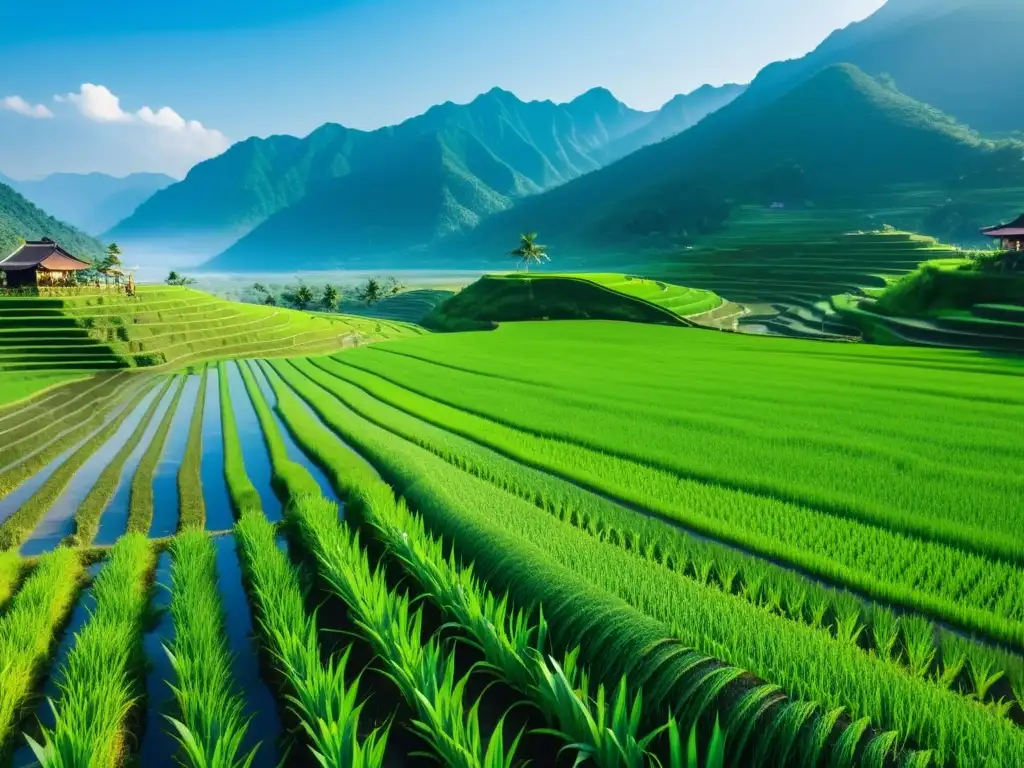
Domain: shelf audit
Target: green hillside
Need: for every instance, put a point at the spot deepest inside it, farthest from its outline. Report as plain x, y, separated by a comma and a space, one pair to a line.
910, 42
407, 306
21, 220
500, 298
162, 325
839, 139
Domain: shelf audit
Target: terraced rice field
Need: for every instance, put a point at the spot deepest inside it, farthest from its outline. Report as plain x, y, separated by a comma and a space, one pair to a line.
162, 326
546, 542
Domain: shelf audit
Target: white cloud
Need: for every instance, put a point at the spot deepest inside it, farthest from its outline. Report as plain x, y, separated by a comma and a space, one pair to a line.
163, 131
97, 103
22, 107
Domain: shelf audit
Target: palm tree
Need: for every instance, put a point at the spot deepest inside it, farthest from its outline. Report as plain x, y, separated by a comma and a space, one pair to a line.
530, 250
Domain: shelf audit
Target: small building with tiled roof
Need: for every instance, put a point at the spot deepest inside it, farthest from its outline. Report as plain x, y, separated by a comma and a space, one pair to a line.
1010, 236
41, 263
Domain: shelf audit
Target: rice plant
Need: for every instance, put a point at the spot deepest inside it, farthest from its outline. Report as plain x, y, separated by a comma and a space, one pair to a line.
27, 631
325, 697
101, 678
210, 723
807, 662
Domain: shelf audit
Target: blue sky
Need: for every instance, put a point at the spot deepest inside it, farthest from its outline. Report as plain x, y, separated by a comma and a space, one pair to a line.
227, 70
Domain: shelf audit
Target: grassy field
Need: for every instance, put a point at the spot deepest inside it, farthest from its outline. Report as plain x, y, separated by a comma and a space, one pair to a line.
556, 539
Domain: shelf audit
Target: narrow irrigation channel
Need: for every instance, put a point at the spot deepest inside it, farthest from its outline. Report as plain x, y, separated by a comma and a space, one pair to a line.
219, 516
165, 476
59, 520
254, 449
43, 715
158, 745
13, 501
265, 725
295, 453
114, 521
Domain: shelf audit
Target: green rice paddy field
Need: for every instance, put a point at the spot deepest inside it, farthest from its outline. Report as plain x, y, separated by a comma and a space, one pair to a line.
631, 545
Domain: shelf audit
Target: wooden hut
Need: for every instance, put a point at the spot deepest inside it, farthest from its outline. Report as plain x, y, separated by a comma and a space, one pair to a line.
1010, 236
41, 264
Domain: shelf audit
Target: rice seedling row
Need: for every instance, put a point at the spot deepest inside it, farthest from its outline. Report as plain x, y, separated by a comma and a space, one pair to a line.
512, 643
642, 647
416, 662
979, 593
687, 418
210, 723
140, 510
807, 663
20, 524
776, 588
87, 518
191, 506
101, 680
27, 633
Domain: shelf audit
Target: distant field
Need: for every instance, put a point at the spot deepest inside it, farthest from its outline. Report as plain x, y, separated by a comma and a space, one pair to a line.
814, 544
408, 306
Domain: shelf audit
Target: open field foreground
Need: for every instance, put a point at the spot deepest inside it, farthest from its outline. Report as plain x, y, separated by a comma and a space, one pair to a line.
545, 541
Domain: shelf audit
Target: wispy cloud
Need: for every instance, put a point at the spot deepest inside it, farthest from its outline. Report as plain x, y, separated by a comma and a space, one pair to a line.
20, 106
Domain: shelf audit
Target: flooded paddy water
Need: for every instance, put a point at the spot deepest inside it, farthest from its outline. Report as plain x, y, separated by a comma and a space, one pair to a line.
265, 725
219, 514
158, 745
10, 503
59, 520
114, 520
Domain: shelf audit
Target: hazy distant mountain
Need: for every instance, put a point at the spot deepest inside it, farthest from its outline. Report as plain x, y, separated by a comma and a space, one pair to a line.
838, 134
680, 113
21, 220
92, 202
957, 55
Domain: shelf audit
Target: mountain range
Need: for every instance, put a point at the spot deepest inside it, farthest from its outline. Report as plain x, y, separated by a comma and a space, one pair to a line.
91, 202
401, 186
836, 137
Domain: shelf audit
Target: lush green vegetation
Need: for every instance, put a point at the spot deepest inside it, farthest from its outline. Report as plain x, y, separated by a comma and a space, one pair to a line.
210, 723
101, 680
27, 631
497, 298
595, 536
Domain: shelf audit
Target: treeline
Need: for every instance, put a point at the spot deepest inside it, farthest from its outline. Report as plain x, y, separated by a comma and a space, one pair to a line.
325, 297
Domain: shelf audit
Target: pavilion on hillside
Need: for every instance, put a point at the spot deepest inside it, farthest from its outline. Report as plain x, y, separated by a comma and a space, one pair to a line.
1010, 236
41, 264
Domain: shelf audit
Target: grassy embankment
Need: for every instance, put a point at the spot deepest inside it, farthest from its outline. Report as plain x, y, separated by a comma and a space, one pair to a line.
498, 298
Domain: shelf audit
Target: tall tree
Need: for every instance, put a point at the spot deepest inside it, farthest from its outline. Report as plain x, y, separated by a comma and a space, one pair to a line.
530, 251
329, 300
